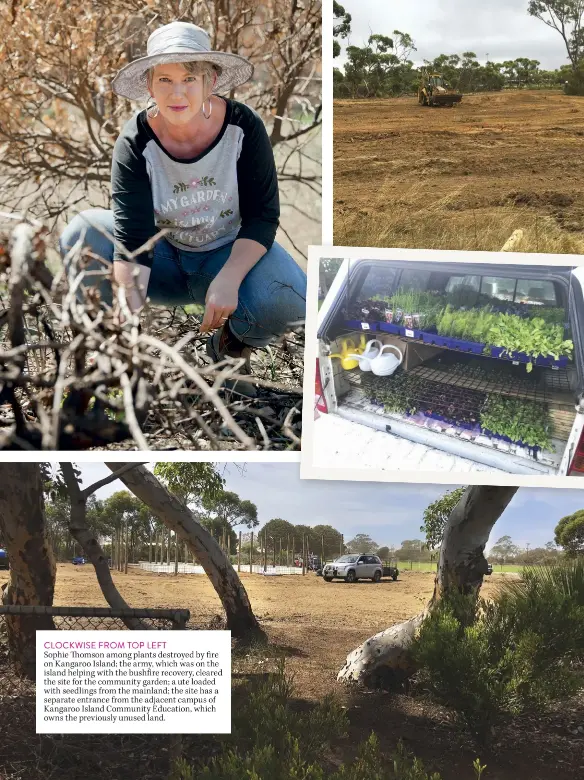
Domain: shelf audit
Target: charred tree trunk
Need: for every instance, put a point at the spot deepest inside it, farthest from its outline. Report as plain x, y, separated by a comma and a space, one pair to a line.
32, 565
178, 517
462, 565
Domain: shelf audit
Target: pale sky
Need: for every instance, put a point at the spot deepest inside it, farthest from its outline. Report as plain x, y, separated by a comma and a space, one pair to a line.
389, 513
500, 28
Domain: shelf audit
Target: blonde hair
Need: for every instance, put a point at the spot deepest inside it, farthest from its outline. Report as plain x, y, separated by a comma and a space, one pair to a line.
195, 68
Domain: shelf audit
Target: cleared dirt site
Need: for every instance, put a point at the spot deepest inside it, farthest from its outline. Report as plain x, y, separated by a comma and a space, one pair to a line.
314, 625
466, 177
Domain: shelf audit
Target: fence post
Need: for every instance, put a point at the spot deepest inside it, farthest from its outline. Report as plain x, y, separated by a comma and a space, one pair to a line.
175, 554
251, 555
303, 555
265, 551
239, 554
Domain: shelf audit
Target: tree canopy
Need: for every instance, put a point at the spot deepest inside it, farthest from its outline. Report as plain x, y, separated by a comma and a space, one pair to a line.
231, 509
362, 543
383, 66
504, 549
436, 516
565, 17
341, 26
191, 482
569, 533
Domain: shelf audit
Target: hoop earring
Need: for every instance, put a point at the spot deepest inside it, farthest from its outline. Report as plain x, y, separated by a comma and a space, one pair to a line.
207, 116
152, 108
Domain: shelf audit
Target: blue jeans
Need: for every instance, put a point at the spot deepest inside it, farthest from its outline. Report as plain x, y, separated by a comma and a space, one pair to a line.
271, 297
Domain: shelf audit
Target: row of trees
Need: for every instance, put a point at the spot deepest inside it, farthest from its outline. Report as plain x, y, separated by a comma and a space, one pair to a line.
569, 536
326, 541
127, 527
27, 487
372, 71
383, 67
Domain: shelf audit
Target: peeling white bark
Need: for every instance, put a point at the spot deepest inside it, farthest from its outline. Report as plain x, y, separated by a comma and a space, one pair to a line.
179, 518
462, 566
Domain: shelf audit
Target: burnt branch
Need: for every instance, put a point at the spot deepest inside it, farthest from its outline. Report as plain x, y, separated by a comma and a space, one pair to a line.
74, 377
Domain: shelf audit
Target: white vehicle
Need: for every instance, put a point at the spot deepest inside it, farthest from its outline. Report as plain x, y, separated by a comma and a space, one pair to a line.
458, 374
354, 567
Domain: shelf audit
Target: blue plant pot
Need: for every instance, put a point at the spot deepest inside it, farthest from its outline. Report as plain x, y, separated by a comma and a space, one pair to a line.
436, 340
474, 347
389, 327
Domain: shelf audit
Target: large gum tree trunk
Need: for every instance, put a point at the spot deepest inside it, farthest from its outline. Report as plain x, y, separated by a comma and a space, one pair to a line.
179, 518
386, 657
32, 565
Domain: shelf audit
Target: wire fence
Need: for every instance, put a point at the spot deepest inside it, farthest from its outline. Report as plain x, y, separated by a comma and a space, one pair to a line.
26, 755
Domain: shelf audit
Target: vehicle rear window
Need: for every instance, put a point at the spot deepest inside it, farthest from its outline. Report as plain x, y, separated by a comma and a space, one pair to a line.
535, 292
470, 282
378, 282
463, 290
530, 291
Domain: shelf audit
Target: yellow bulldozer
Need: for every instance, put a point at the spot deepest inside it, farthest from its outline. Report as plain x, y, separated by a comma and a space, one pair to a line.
434, 90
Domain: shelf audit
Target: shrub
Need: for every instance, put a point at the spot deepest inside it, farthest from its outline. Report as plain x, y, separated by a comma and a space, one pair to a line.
517, 654
575, 82
271, 740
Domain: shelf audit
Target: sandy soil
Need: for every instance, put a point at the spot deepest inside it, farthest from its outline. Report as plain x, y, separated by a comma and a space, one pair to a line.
495, 155
302, 613
315, 625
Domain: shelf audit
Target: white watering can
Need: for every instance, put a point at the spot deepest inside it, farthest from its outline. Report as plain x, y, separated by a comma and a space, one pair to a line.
385, 364
370, 353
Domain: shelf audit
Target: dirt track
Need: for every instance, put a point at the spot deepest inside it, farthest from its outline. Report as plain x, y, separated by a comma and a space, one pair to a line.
463, 177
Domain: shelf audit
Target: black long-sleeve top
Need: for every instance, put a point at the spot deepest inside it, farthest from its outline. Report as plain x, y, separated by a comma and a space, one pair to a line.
228, 191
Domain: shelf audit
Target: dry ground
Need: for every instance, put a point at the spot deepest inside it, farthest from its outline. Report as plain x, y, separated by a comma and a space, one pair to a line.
319, 622
316, 624
461, 178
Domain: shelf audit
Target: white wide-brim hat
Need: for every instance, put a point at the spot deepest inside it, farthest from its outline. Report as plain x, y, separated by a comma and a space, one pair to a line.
180, 42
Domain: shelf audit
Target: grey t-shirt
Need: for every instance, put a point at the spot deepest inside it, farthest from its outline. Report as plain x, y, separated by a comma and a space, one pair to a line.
229, 191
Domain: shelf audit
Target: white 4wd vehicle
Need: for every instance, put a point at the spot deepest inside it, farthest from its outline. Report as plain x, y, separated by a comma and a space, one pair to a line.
354, 567
455, 380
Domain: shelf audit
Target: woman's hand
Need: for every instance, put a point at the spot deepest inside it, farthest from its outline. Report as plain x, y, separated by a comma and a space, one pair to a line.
220, 302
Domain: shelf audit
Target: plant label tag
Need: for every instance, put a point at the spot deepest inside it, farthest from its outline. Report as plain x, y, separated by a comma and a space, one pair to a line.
515, 362
409, 333
364, 326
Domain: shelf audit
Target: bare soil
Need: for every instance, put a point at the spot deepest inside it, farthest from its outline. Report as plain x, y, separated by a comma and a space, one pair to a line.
315, 625
462, 177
